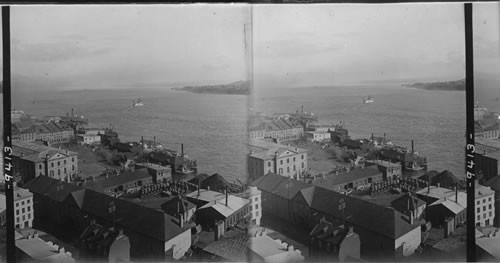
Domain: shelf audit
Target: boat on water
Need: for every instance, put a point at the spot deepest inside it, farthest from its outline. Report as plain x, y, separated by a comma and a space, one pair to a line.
368, 100
138, 103
414, 166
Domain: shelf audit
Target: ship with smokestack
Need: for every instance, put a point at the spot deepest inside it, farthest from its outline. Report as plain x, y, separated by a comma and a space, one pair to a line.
184, 168
413, 163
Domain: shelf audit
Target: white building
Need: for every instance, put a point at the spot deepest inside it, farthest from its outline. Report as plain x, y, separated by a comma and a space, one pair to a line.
317, 136
276, 158
23, 207
89, 139
255, 196
485, 205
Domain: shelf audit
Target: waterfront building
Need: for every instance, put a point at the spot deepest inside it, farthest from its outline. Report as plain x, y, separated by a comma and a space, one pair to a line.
317, 136
23, 207
66, 211
280, 129
32, 160
54, 133
339, 135
356, 179
323, 128
88, 139
160, 173
215, 207
485, 205
390, 171
280, 159
486, 129
255, 196
23, 132
121, 182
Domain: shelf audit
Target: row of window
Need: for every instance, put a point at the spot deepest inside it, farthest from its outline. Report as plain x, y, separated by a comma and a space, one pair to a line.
23, 211
58, 163
484, 216
22, 202
484, 208
24, 218
478, 202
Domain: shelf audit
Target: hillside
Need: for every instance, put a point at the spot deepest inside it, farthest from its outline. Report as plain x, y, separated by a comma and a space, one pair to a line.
447, 85
235, 88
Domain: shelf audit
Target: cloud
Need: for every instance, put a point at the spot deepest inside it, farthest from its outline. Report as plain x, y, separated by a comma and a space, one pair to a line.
296, 47
54, 52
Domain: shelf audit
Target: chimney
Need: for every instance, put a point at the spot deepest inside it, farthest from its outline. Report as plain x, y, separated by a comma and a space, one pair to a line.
412, 150
226, 194
142, 140
181, 220
456, 193
384, 137
72, 112
428, 183
276, 162
182, 149
154, 140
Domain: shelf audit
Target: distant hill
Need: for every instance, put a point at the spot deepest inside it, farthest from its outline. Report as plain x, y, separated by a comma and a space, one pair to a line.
236, 88
447, 85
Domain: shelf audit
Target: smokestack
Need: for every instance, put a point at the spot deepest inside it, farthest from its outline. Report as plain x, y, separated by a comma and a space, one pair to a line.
412, 150
302, 109
428, 183
276, 162
384, 137
72, 112
226, 195
154, 140
372, 139
182, 149
142, 140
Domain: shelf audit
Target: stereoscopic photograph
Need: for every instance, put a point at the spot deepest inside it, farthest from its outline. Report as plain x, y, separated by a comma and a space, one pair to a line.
249, 133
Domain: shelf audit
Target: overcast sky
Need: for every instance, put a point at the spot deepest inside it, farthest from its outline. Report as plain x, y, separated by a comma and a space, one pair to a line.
486, 38
336, 44
116, 46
